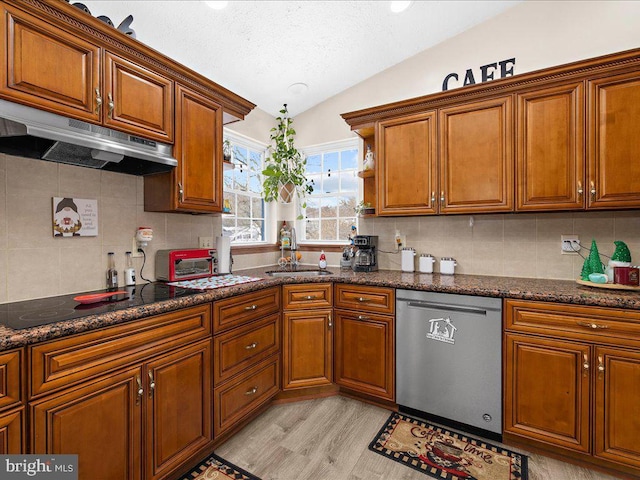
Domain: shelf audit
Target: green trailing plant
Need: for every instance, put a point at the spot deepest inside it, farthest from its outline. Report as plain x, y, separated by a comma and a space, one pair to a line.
285, 164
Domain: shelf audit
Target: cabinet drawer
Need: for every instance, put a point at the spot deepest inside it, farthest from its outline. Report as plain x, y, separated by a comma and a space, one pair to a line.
60, 363
11, 380
237, 398
318, 295
365, 298
245, 346
581, 322
244, 308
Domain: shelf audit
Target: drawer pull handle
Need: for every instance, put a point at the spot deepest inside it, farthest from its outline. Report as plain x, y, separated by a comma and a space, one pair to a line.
364, 299
330, 321
252, 391
251, 307
363, 317
111, 105
251, 346
580, 189
593, 326
152, 384
309, 297
593, 190
98, 101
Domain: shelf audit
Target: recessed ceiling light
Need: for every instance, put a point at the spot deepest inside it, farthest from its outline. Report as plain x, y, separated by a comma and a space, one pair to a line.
298, 88
218, 5
397, 7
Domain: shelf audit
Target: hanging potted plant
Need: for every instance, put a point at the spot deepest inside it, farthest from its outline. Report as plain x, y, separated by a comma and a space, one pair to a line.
284, 174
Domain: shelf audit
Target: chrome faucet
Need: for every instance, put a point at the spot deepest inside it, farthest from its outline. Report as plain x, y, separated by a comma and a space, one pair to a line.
294, 249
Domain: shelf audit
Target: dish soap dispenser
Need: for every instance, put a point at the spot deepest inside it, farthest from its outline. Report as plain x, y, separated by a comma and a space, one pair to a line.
285, 236
322, 263
129, 271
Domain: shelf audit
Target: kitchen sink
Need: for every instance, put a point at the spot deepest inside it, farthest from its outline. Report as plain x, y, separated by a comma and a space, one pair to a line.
298, 273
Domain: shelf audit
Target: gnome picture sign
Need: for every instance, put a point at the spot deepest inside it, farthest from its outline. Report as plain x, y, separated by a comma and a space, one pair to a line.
75, 217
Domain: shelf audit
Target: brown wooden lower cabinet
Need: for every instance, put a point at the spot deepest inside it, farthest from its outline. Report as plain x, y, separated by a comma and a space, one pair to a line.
572, 380
307, 348
12, 437
364, 353
141, 422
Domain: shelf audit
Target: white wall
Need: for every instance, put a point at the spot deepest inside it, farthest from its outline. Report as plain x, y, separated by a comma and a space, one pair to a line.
538, 34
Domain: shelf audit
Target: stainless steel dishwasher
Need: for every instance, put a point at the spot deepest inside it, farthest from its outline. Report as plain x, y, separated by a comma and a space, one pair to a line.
449, 357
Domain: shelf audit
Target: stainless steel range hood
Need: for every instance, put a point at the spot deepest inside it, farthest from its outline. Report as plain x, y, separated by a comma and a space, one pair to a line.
33, 133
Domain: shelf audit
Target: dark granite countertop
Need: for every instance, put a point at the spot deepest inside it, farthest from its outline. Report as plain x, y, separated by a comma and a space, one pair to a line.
558, 291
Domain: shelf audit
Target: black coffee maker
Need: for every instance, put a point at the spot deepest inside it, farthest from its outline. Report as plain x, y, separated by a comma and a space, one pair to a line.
366, 257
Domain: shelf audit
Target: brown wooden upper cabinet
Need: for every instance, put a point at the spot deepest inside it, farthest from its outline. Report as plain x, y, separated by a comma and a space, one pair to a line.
476, 157
550, 148
614, 123
196, 184
407, 168
50, 68
138, 99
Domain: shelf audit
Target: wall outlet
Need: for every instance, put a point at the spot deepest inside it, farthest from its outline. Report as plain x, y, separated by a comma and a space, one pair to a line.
134, 249
570, 244
401, 240
205, 242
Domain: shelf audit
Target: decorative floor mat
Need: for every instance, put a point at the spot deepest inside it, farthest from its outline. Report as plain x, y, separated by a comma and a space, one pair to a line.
215, 467
444, 454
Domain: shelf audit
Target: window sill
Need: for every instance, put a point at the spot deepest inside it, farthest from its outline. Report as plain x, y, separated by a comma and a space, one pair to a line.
247, 249
318, 247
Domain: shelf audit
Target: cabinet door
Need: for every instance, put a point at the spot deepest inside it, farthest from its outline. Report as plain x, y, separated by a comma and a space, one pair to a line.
198, 149
547, 386
364, 353
307, 354
179, 395
549, 149
617, 421
136, 99
47, 67
100, 422
614, 123
12, 434
406, 169
476, 157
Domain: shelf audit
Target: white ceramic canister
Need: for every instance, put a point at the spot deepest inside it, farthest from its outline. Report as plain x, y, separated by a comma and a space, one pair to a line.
447, 265
425, 263
407, 263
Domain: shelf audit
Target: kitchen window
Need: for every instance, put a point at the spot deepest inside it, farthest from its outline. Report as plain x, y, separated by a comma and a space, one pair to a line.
244, 213
330, 211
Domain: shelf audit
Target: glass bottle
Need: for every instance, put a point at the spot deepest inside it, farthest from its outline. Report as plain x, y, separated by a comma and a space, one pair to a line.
112, 273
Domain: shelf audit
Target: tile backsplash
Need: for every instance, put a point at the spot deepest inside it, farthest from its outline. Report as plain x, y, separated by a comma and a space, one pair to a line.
34, 264
518, 245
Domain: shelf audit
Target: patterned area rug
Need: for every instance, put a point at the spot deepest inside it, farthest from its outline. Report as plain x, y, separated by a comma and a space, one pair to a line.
218, 468
446, 455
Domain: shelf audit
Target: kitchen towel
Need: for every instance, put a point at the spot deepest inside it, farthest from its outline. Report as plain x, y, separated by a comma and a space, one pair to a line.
223, 248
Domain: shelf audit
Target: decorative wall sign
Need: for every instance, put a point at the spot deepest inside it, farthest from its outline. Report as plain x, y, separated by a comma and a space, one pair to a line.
75, 217
487, 72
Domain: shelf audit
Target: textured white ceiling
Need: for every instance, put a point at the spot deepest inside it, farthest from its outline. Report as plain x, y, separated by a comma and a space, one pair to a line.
258, 48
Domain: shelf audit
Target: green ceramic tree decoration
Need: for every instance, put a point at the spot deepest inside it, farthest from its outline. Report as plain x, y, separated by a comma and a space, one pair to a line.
594, 259
586, 270
622, 253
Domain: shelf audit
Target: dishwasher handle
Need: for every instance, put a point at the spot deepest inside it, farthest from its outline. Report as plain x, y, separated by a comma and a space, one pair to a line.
449, 308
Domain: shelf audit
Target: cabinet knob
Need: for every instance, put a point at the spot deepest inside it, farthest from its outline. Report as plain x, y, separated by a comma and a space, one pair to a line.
593, 190
442, 198
433, 198
580, 189
111, 105
585, 364
600, 365
251, 346
140, 389
330, 321
180, 192
98, 100
251, 307
252, 391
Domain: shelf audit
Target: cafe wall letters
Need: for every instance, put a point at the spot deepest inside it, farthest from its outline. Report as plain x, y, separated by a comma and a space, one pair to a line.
485, 73
75, 217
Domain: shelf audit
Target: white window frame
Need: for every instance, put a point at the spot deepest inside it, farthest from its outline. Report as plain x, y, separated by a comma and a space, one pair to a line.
251, 144
320, 149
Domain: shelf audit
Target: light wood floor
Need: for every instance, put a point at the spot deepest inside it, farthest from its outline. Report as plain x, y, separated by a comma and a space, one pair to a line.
327, 439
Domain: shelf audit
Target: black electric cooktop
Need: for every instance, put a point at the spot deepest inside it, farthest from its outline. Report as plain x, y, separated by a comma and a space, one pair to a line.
42, 311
